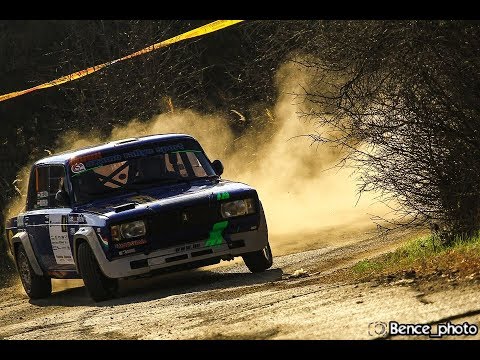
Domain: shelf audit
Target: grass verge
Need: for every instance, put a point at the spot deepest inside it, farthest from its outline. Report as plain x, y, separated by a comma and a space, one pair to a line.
424, 257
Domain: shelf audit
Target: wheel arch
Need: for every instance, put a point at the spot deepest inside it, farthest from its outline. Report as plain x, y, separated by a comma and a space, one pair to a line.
88, 235
21, 238
77, 240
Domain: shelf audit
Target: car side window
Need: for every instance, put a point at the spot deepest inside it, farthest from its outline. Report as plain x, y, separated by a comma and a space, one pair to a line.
45, 182
56, 181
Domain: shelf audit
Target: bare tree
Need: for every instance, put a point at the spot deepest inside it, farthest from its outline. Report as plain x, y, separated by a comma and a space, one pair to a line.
402, 99
230, 69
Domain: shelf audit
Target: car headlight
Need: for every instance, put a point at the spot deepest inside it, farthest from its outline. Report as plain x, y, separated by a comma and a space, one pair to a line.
237, 208
128, 230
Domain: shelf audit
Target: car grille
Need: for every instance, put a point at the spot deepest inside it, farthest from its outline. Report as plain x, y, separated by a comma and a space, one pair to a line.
180, 226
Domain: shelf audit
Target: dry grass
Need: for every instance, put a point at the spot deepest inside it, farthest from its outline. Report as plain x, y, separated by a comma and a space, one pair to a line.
425, 257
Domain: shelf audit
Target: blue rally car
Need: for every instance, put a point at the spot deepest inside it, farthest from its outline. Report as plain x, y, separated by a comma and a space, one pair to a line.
130, 208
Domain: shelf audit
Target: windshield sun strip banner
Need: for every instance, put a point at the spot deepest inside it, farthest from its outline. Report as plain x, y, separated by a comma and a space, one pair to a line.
96, 160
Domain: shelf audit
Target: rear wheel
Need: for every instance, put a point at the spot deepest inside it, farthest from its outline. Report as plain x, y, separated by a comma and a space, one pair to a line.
98, 285
259, 261
35, 286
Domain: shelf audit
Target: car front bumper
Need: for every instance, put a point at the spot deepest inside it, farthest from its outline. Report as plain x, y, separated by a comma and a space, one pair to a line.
195, 252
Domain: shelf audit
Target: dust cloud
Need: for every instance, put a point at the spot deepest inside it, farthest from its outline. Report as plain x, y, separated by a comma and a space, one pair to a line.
299, 194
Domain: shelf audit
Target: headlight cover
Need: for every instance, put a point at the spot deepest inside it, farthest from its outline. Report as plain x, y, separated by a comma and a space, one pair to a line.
237, 208
128, 230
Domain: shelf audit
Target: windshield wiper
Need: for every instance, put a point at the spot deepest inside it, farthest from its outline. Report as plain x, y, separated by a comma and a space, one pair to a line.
208, 177
106, 192
94, 196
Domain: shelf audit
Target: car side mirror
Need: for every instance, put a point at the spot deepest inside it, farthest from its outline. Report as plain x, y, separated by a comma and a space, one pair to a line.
62, 198
218, 167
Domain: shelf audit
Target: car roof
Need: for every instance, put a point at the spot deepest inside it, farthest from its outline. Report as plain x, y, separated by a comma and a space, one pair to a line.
64, 157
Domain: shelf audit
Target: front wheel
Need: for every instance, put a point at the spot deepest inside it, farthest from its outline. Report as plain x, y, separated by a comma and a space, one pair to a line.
36, 287
260, 260
98, 285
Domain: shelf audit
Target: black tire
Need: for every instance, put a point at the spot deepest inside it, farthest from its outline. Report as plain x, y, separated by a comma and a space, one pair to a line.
259, 261
36, 287
98, 285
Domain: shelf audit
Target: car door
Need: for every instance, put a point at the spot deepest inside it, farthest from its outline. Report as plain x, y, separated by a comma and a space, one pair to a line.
46, 219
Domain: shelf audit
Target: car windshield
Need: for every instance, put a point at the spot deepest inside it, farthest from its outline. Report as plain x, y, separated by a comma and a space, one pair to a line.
133, 174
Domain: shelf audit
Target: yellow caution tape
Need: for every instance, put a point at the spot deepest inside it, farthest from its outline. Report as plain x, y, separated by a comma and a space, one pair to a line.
202, 30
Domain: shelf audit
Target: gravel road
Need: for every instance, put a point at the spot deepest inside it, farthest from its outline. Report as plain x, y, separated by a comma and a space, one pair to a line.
298, 298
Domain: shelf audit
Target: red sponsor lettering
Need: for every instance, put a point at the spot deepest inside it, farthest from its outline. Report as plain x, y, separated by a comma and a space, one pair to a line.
85, 158
130, 244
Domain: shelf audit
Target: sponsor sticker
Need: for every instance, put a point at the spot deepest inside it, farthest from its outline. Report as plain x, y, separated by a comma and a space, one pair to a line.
85, 158
76, 219
78, 167
42, 194
42, 203
130, 244
188, 247
223, 196
59, 240
125, 252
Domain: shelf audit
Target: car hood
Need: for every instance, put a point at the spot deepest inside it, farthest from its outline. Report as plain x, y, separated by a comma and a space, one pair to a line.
157, 199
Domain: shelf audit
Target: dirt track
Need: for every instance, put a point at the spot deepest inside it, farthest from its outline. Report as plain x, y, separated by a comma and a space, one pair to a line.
229, 302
